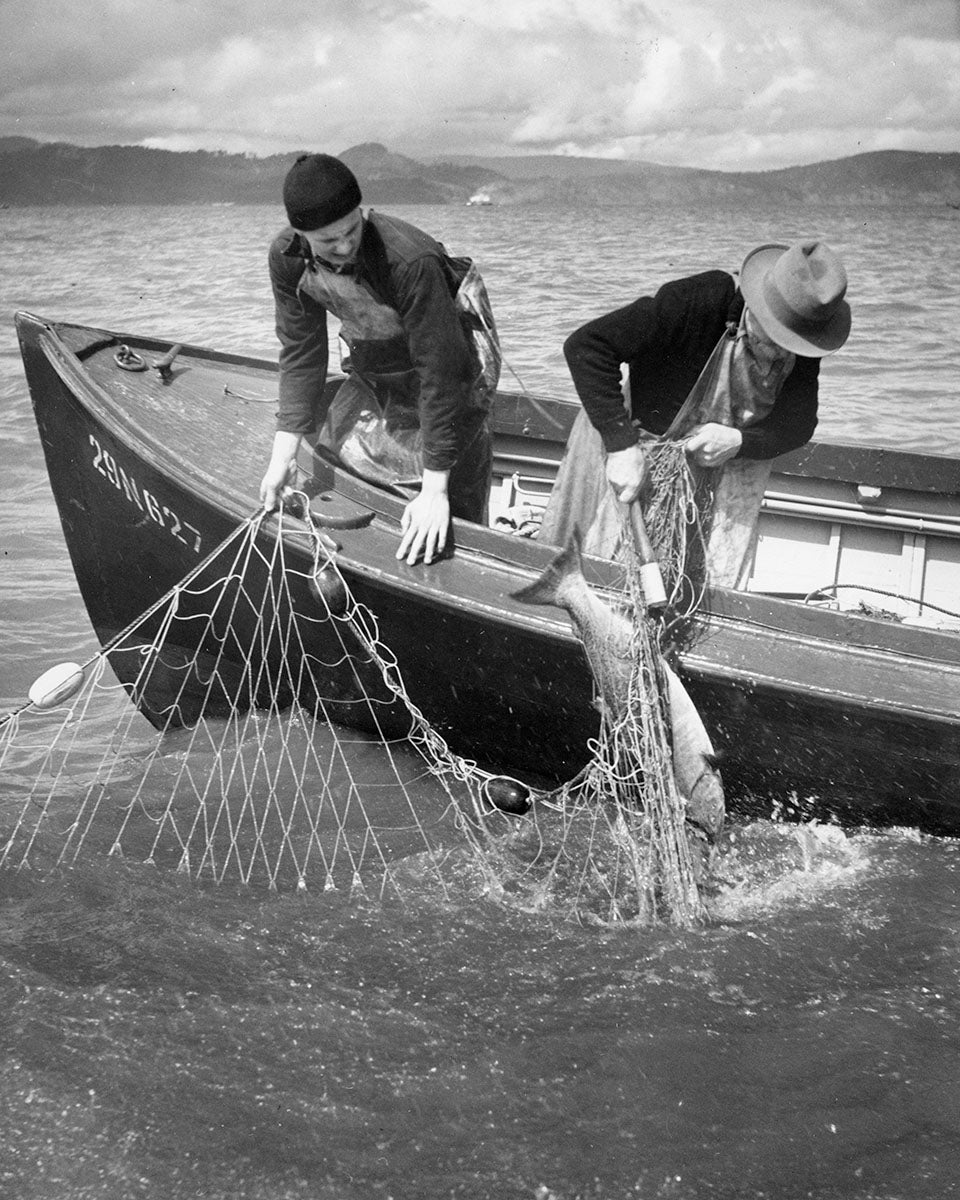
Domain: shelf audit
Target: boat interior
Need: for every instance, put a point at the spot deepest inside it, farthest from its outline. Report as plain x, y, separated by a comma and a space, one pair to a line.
835, 529
848, 528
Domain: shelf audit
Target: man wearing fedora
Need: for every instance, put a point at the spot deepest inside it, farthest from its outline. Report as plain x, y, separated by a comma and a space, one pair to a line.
730, 367
423, 355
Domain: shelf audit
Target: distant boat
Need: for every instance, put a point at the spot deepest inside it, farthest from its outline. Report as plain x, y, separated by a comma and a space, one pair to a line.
480, 199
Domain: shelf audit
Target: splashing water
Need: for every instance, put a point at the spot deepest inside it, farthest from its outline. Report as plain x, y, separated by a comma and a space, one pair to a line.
766, 865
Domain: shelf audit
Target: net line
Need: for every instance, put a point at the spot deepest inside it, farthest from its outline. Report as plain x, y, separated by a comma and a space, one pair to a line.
237, 786
234, 767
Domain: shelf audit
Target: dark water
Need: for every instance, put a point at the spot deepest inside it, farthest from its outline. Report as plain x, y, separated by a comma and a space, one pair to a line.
167, 1040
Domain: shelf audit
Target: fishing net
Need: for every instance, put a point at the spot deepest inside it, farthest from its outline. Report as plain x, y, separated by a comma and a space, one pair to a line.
624, 847
677, 511
243, 770
235, 764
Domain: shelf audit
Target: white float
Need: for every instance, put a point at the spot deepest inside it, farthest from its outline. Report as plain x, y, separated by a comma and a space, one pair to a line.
56, 685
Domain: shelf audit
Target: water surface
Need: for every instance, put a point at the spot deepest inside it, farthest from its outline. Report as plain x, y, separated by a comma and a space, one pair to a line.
167, 1040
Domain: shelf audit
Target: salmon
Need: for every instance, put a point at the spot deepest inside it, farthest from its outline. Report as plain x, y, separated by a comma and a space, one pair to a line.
607, 638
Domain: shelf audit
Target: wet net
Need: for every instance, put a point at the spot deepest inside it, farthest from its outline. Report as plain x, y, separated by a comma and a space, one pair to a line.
272, 743
624, 836
232, 764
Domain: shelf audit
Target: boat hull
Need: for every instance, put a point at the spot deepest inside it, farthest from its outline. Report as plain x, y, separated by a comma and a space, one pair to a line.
497, 689
815, 713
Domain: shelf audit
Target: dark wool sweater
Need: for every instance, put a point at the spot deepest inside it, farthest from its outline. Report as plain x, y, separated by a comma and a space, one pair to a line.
665, 340
406, 269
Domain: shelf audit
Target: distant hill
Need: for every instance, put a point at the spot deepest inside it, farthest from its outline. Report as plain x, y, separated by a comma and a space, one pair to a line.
34, 173
8, 144
883, 177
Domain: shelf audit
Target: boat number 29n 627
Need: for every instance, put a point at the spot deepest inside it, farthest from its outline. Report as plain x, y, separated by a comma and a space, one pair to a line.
110, 469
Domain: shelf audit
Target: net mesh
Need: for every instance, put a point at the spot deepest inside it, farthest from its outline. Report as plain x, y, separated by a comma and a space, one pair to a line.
256, 755
677, 513
641, 859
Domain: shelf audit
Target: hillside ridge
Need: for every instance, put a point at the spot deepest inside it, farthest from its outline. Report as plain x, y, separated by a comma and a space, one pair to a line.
34, 173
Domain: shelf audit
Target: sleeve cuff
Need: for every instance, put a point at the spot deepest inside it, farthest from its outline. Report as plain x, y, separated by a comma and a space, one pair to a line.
619, 435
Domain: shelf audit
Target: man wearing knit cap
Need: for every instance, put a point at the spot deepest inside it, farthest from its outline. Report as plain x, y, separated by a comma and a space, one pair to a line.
728, 366
421, 371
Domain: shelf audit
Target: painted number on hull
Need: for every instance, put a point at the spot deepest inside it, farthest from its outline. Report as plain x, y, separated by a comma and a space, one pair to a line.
110, 469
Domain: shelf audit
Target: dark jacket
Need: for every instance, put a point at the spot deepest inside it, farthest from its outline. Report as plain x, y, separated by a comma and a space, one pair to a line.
408, 270
666, 340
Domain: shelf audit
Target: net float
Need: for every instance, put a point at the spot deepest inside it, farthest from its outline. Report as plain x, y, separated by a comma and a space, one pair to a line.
508, 795
56, 686
328, 587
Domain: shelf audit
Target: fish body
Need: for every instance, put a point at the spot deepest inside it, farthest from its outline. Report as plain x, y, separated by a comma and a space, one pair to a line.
607, 638
694, 759
606, 635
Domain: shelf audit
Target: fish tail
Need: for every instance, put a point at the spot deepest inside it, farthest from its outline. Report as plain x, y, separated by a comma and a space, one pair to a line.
548, 588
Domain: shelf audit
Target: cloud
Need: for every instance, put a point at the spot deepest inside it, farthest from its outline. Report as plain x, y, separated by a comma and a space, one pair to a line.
728, 84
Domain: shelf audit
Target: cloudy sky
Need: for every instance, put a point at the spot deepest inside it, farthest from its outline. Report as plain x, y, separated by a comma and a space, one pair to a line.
725, 84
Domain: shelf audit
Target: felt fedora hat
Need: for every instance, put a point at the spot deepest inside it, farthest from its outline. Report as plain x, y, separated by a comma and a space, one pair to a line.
797, 295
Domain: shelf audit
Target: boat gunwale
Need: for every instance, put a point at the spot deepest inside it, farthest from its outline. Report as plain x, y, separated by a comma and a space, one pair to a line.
698, 664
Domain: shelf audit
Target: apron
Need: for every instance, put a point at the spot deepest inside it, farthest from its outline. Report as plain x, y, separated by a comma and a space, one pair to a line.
738, 385
373, 423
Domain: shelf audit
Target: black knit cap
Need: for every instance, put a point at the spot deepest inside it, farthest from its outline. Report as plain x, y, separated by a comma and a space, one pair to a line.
318, 190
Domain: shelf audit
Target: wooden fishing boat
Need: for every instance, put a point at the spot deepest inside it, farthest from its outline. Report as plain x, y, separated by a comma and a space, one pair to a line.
831, 684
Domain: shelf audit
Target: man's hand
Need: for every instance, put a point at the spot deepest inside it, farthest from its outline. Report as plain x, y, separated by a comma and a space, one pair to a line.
280, 470
627, 472
426, 520
711, 445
